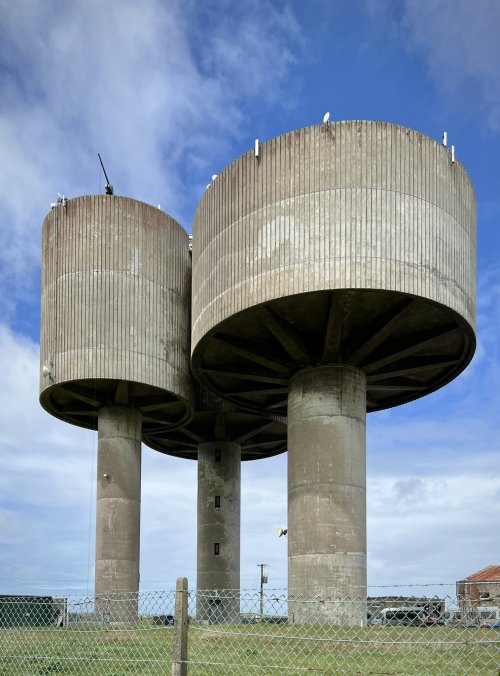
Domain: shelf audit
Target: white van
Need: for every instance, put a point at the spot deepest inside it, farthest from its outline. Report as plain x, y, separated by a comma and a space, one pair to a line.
411, 616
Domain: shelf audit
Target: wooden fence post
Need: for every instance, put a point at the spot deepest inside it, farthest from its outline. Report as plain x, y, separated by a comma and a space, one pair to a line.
179, 658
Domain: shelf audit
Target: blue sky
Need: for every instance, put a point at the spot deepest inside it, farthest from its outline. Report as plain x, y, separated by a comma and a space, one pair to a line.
169, 93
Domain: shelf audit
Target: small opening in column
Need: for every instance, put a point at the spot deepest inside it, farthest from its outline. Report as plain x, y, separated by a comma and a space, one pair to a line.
217, 502
216, 549
217, 455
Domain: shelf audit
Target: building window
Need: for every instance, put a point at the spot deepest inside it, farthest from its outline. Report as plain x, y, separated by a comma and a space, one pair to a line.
217, 502
217, 455
484, 596
216, 549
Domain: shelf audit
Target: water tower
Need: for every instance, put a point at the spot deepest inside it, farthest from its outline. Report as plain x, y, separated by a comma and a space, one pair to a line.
333, 274
114, 352
219, 437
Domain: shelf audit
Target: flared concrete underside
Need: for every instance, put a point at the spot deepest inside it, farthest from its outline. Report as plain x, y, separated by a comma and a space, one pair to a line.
257, 436
406, 346
79, 401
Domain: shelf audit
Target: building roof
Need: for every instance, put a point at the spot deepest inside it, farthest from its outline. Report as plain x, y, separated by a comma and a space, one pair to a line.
488, 574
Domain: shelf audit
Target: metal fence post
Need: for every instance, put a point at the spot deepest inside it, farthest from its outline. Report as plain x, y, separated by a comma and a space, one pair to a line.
179, 659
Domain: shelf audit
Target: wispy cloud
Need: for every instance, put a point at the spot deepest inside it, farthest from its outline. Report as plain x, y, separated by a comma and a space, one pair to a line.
47, 484
125, 80
167, 92
459, 41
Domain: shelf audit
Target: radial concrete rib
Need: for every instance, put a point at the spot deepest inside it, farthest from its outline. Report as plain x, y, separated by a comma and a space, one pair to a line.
378, 333
82, 395
191, 435
251, 352
333, 333
249, 393
273, 380
121, 393
428, 364
413, 344
251, 433
189, 448
278, 404
286, 334
261, 445
164, 420
156, 407
77, 412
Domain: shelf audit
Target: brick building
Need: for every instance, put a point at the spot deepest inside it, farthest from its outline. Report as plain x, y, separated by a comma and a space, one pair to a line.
480, 589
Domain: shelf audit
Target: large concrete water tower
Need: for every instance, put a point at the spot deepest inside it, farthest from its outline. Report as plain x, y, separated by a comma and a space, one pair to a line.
114, 352
220, 436
333, 274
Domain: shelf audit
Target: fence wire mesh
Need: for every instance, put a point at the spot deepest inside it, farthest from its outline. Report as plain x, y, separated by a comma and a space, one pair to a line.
86, 635
292, 634
252, 632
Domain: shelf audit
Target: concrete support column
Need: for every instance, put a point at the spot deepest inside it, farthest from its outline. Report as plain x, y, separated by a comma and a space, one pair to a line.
118, 513
327, 495
218, 555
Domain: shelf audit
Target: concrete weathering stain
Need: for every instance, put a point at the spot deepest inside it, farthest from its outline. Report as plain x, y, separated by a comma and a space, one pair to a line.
333, 274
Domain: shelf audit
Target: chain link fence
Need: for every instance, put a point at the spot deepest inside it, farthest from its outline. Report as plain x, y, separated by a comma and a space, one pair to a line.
85, 635
255, 632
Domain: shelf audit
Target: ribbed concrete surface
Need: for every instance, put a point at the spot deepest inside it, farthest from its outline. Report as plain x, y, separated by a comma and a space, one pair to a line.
118, 507
327, 491
257, 435
115, 302
349, 243
357, 205
218, 546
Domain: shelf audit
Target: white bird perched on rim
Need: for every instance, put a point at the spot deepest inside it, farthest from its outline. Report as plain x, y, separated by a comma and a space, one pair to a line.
326, 119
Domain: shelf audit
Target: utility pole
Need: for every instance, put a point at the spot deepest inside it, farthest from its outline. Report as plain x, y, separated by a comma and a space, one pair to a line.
263, 581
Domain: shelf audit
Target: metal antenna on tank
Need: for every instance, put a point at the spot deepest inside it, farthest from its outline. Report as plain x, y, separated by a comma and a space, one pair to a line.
108, 188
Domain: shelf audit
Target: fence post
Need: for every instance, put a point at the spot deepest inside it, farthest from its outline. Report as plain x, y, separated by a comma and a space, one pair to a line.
179, 659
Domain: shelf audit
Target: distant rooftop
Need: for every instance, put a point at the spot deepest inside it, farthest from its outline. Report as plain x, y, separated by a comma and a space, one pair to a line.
488, 574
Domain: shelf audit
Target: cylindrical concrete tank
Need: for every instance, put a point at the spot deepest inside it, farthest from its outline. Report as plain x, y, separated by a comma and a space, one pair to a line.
347, 245
115, 356
115, 309
375, 224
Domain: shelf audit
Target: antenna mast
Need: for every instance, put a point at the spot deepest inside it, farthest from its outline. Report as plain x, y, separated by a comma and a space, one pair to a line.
108, 188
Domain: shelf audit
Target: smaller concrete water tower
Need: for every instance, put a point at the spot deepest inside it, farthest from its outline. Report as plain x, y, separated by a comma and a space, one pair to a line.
220, 436
114, 352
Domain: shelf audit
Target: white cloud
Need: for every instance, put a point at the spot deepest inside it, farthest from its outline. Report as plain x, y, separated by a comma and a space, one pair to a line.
47, 484
459, 41
167, 91
128, 81
132, 83
47, 511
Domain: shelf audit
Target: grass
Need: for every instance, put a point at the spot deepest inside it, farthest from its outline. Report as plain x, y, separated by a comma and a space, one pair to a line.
252, 649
